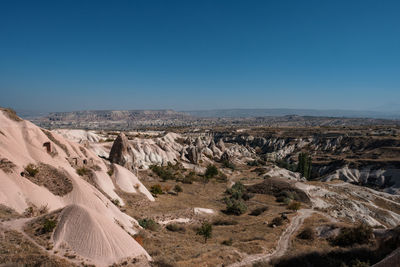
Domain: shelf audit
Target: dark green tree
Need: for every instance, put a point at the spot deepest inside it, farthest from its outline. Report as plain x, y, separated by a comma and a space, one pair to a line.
304, 165
205, 230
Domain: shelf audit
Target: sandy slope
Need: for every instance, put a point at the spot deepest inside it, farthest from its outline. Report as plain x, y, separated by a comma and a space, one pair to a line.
22, 143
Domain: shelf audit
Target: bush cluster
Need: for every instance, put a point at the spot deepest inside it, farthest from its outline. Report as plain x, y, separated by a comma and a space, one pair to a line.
307, 234
277, 221
149, 224
165, 173
156, 189
361, 234
228, 164
258, 211
48, 226
235, 201
211, 171
294, 205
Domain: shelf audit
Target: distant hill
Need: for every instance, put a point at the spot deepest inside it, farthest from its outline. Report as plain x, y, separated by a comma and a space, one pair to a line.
250, 113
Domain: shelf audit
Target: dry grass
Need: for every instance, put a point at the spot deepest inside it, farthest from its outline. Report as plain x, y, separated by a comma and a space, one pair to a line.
57, 181
249, 234
16, 250
10, 113
6, 165
7, 213
41, 230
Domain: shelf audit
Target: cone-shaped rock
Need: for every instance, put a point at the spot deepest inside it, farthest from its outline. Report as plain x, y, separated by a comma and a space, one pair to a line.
121, 152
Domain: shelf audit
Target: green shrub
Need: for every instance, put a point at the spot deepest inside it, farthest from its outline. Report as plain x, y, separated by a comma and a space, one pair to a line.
228, 164
48, 226
205, 230
307, 234
211, 171
82, 171
156, 189
165, 173
178, 188
175, 228
149, 224
110, 172
235, 206
115, 201
258, 211
31, 169
236, 191
361, 234
277, 221
294, 205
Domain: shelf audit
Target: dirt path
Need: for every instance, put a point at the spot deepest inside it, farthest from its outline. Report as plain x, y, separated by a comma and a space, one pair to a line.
283, 243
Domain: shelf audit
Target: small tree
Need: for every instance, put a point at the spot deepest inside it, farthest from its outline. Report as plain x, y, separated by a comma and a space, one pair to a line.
205, 230
304, 166
211, 171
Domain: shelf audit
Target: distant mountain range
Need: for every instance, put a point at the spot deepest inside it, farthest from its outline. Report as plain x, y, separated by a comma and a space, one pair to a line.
243, 113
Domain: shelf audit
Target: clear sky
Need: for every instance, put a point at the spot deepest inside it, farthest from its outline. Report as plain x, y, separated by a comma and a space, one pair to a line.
185, 55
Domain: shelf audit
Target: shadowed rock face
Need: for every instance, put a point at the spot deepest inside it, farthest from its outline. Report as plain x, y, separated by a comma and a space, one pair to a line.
192, 155
121, 152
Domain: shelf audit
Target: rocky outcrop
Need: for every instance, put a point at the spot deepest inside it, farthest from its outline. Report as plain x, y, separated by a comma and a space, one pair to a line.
221, 145
192, 155
121, 152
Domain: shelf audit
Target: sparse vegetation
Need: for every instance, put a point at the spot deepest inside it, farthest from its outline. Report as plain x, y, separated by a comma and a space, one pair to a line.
156, 189
294, 205
149, 224
178, 188
49, 225
11, 114
258, 211
360, 235
175, 228
307, 234
277, 221
211, 171
31, 169
82, 171
228, 164
6, 165
116, 202
205, 230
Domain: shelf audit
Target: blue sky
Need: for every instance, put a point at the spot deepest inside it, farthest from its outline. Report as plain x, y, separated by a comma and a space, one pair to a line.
184, 55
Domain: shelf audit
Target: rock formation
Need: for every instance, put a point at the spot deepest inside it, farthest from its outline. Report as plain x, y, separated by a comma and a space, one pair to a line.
121, 152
